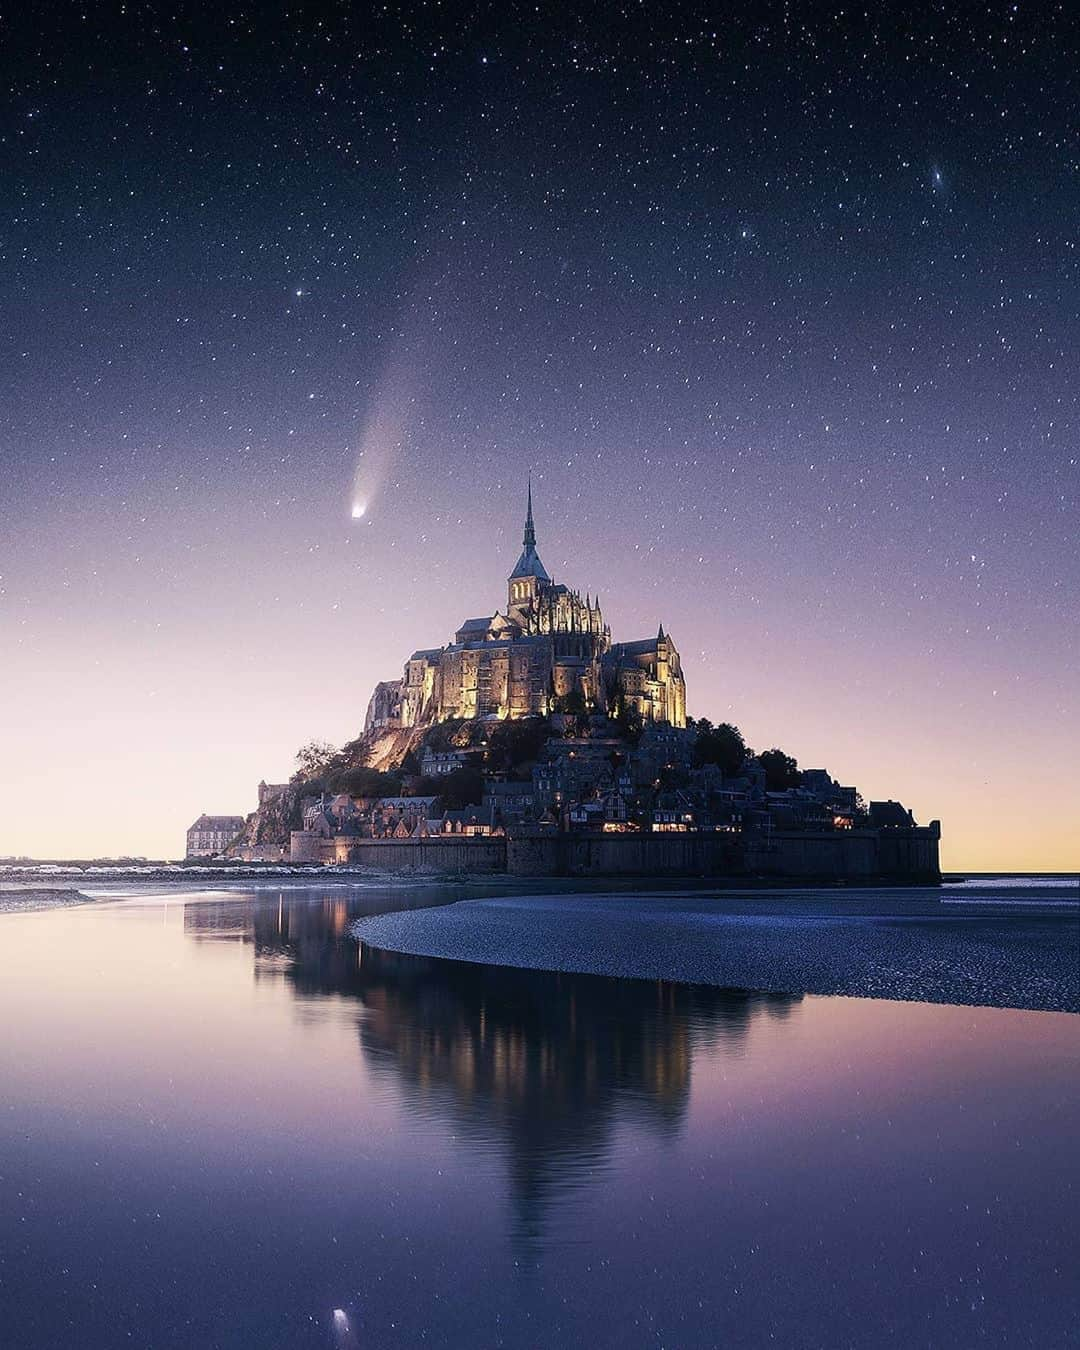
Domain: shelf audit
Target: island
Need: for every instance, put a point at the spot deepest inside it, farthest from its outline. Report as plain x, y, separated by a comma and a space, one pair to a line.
535, 744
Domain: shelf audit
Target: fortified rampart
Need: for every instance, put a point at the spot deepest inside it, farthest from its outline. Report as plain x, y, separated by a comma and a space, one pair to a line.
260, 853
440, 853
833, 855
848, 854
601, 855
825, 855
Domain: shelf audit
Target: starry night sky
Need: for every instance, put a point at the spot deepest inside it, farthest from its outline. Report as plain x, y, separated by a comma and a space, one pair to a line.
779, 305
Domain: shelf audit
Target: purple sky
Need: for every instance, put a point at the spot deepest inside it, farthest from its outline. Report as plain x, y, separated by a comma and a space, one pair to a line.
783, 316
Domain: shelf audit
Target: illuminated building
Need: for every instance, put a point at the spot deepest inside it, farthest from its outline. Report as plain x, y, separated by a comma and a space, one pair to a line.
550, 650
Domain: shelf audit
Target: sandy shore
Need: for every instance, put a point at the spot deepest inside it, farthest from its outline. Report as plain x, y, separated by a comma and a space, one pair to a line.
999, 951
21, 899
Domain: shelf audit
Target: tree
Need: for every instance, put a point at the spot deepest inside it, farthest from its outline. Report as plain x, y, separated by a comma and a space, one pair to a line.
573, 703
629, 723
513, 744
781, 771
722, 745
673, 777
314, 758
451, 734
364, 782
463, 787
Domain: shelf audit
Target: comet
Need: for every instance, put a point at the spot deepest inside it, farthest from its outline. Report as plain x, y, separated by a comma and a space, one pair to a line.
383, 436
344, 1337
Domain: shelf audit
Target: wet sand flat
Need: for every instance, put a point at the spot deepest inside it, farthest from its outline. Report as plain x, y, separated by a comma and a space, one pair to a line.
991, 949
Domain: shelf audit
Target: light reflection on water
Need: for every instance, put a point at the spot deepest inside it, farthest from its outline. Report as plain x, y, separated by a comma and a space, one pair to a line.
227, 1123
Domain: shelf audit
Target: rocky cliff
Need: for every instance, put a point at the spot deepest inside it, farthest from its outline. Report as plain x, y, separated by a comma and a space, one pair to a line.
271, 823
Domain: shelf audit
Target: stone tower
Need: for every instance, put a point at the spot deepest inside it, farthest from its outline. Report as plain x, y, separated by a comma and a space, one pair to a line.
529, 576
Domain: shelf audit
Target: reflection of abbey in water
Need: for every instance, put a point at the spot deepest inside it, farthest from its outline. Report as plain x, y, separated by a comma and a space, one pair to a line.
545, 1064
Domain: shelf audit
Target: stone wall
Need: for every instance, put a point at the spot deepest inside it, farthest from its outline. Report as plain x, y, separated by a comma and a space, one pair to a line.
259, 853
796, 854
790, 855
460, 853
304, 846
598, 855
911, 852
889, 853
815, 854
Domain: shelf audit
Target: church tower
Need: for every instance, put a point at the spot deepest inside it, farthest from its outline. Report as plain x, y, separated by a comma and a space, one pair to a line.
550, 651
529, 576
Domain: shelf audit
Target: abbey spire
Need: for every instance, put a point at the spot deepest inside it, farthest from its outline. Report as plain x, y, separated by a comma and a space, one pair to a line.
530, 530
529, 575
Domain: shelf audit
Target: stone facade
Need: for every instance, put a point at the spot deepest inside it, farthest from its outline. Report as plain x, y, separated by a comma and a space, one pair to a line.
212, 834
549, 649
648, 676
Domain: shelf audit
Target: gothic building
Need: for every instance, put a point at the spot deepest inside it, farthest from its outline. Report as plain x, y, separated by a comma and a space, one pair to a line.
549, 649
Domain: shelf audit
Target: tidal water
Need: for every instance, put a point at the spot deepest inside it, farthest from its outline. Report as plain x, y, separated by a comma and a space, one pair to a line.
225, 1123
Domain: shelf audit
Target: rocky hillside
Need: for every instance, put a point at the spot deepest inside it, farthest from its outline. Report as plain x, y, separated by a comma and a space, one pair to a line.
382, 750
271, 823
372, 764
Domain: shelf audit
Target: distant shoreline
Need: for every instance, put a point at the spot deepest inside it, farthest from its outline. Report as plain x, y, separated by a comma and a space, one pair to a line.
33, 871
33, 887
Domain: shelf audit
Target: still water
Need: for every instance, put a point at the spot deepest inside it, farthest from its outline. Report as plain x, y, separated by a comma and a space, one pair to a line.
225, 1124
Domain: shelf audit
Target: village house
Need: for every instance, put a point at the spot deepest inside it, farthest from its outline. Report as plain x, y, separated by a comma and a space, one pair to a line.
211, 835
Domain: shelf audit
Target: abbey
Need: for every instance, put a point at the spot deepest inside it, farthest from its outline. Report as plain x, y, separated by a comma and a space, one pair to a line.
550, 650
